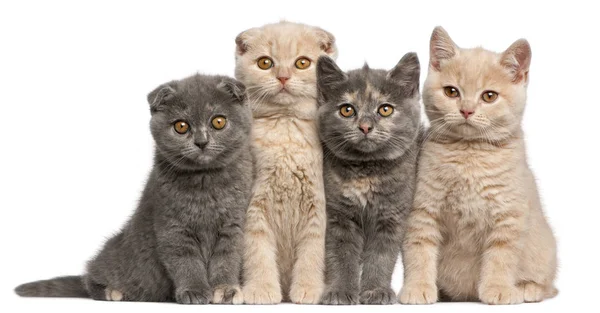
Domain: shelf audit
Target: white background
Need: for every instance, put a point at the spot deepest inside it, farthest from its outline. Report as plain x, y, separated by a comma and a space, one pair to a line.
75, 146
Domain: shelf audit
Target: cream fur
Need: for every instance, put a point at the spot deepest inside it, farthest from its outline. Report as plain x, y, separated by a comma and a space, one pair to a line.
285, 225
477, 230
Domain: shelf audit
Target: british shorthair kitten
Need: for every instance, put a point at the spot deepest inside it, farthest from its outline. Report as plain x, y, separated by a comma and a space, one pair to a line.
369, 121
184, 241
285, 228
477, 230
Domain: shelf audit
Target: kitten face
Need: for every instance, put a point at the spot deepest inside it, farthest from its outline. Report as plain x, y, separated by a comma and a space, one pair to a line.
369, 114
277, 62
475, 94
200, 122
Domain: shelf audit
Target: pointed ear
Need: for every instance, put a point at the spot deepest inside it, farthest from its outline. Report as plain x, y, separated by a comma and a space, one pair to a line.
234, 88
327, 41
516, 60
159, 96
441, 47
329, 76
407, 73
242, 40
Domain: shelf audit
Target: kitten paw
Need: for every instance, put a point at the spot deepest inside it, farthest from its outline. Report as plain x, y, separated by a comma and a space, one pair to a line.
339, 298
303, 295
113, 295
193, 296
228, 294
378, 296
418, 294
533, 292
497, 294
261, 295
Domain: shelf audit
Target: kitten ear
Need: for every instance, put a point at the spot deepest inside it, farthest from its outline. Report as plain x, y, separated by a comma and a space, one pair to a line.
441, 47
516, 60
406, 74
327, 41
329, 76
242, 40
159, 96
236, 89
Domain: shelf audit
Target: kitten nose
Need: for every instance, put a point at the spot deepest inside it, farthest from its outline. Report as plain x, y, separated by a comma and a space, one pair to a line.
283, 79
201, 143
467, 113
366, 128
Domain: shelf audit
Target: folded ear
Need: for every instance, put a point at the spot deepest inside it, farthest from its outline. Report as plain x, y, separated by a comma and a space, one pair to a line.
327, 41
329, 76
242, 41
234, 88
516, 60
159, 96
441, 47
406, 74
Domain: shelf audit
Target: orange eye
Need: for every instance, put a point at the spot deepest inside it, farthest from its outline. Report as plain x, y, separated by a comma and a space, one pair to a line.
347, 110
451, 92
302, 63
385, 110
181, 127
265, 63
489, 96
219, 122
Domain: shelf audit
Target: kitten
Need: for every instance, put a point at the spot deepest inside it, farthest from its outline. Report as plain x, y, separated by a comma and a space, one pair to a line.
369, 123
285, 228
184, 241
477, 230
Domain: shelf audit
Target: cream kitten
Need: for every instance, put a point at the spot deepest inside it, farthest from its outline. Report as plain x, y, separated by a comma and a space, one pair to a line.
477, 230
285, 226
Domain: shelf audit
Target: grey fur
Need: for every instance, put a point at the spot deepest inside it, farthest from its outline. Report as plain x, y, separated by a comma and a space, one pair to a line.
369, 179
185, 237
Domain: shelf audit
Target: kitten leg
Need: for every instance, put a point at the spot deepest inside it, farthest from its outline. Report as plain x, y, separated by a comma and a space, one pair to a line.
420, 251
380, 256
225, 264
344, 242
500, 258
261, 276
307, 274
183, 261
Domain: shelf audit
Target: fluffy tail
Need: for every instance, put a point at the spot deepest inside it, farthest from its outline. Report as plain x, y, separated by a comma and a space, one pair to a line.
64, 287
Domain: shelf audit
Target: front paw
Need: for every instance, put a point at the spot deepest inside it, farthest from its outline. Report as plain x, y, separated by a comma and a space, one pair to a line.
418, 294
378, 296
261, 295
195, 296
339, 298
306, 295
501, 294
228, 294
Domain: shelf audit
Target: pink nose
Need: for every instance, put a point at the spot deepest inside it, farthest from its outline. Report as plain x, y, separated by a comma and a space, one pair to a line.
365, 128
466, 113
283, 79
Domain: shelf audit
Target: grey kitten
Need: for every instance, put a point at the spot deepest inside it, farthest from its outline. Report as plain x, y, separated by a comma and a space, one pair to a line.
369, 124
183, 243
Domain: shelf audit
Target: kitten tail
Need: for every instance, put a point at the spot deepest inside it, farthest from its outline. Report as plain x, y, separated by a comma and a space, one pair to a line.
66, 286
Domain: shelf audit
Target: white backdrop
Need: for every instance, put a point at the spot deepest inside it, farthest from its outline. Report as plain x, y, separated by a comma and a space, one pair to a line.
75, 145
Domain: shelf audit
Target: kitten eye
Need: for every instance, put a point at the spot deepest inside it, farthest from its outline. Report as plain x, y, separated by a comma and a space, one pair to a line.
385, 110
451, 92
219, 122
181, 127
302, 63
489, 96
347, 110
265, 63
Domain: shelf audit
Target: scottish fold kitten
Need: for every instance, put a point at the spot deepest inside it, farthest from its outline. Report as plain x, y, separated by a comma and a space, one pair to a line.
184, 241
369, 122
285, 228
477, 230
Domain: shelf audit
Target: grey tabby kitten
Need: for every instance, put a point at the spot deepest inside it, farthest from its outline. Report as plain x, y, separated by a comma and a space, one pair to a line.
369, 124
183, 243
